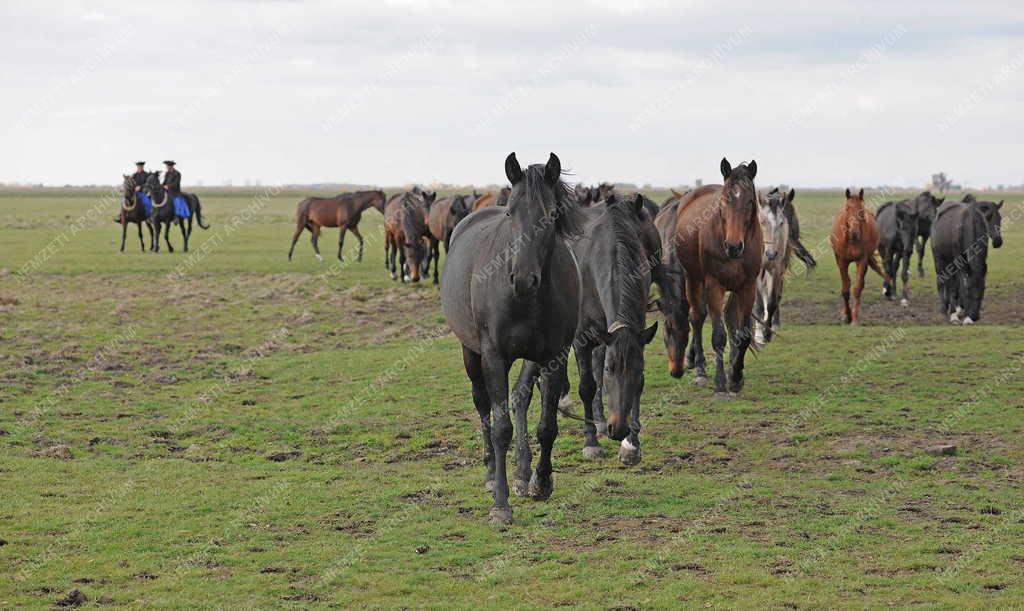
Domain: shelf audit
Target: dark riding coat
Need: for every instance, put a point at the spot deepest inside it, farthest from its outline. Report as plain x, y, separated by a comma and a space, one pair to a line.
172, 181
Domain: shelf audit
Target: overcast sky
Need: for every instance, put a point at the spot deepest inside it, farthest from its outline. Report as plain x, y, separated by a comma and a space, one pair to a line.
819, 93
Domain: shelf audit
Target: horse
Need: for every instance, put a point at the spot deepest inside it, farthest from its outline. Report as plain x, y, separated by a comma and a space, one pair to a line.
719, 245
134, 210
164, 214
444, 215
671, 301
492, 199
777, 248
796, 246
854, 239
405, 230
674, 198
511, 290
925, 205
343, 210
960, 237
897, 234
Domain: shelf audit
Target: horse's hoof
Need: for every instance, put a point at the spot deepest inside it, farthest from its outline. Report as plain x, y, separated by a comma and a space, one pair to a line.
602, 427
501, 516
319, 258
904, 302
592, 452
520, 487
968, 321
700, 380
721, 395
489, 485
628, 453
541, 491
954, 319
735, 388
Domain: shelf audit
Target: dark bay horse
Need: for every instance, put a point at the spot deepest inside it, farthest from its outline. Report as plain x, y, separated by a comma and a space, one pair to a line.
511, 290
719, 245
960, 237
133, 210
343, 211
672, 292
165, 213
897, 233
854, 239
406, 233
925, 205
444, 215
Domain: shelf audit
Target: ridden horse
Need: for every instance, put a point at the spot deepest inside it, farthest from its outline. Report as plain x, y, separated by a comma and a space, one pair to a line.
444, 215
925, 206
672, 294
897, 233
775, 231
718, 242
511, 290
854, 239
166, 213
405, 233
960, 237
343, 210
133, 210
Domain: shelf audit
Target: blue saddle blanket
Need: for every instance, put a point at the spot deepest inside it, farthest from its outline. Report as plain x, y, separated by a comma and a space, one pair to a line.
147, 202
181, 208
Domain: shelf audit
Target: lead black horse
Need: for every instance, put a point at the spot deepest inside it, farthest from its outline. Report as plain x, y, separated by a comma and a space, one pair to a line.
511, 290
165, 213
960, 237
133, 210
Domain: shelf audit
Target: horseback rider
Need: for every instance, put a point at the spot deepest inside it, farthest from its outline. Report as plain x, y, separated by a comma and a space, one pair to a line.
172, 180
140, 175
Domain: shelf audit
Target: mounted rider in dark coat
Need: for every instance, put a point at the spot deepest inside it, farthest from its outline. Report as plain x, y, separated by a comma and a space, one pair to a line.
140, 175
172, 180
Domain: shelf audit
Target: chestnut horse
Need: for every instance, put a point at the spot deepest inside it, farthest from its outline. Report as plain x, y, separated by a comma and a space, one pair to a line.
854, 240
719, 245
490, 199
343, 210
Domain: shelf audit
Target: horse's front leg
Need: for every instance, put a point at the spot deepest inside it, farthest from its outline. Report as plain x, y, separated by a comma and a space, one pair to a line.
715, 296
359, 236
597, 365
495, 373
522, 394
588, 390
155, 247
184, 234
341, 242
142, 242
552, 384
698, 313
858, 288
905, 276
844, 273
741, 304
919, 243
167, 236
124, 233
482, 402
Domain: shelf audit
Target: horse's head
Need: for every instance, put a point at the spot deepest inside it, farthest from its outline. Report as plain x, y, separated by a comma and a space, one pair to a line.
152, 182
774, 224
738, 206
128, 184
993, 220
624, 373
462, 205
854, 215
540, 208
412, 233
378, 200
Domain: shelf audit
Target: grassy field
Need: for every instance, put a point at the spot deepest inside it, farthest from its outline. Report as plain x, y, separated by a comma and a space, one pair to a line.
225, 428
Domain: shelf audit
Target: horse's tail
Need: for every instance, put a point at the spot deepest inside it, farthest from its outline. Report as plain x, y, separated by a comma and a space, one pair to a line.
302, 212
804, 255
876, 264
199, 212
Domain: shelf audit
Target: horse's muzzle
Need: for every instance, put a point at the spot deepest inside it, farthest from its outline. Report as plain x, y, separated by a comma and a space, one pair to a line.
524, 285
734, 250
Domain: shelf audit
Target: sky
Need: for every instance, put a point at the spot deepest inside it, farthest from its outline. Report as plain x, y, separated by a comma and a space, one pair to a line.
820, 93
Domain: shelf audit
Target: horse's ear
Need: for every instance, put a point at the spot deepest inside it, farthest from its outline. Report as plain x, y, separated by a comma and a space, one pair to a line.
726, 168
553, 169
638, 204
676, 194
649, 333
847, 193
513, 171
752, 169
791, 196
860, 195
1000, 204
938, 201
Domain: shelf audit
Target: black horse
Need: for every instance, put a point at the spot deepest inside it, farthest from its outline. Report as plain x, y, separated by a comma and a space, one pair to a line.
618, 260
897, 234
511, 290
133, 210
165, 213
925, 205
960, 236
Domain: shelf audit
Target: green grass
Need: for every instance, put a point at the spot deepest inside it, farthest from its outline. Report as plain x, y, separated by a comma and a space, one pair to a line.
172, 378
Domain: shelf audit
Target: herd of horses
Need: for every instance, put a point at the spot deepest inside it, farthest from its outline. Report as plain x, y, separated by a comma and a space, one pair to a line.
155, 208
540, 268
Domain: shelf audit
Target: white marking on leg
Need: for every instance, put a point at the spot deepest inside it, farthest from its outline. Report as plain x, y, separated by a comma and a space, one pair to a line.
968, 321
904, 302
319, 258
628, 446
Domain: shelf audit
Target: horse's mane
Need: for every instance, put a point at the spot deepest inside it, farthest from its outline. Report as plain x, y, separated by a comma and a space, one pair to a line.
629, 262
883, 207
695, 194
412, 229
569, 219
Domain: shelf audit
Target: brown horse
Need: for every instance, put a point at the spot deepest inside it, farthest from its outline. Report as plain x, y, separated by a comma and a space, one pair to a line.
719, 245
406, 232
854, 240
444, 215
490, 199
343, 210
